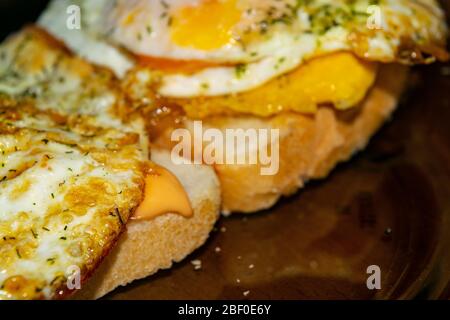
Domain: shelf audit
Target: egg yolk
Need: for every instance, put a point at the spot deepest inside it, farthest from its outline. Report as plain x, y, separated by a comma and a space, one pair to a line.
205, 26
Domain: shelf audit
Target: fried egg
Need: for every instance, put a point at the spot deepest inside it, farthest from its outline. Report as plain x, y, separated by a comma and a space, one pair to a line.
244, 44
71, 168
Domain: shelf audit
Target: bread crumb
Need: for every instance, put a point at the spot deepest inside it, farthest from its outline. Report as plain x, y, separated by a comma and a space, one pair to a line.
246, 293
226, 213
251, 266
223, 229
197, 264
217, 249
239, 257
238, 280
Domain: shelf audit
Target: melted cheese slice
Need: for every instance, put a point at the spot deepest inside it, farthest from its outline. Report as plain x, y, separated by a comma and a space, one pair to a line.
71, 169
340, 79
163, 194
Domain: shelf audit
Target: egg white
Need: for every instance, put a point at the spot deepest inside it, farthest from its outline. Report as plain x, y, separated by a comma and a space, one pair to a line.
60, 132
282, 48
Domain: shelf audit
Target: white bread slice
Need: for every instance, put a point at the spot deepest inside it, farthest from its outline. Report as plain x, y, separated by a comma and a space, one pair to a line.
148, 246
310, 146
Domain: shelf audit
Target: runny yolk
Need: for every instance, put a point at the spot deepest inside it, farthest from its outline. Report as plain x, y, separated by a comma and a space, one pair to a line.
163, 194
205, 26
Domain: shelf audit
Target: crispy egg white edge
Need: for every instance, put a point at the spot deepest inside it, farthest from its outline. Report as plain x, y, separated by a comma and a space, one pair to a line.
67, 164
73, 169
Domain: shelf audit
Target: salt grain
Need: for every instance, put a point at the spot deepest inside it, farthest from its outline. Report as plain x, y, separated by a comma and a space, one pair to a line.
197, 264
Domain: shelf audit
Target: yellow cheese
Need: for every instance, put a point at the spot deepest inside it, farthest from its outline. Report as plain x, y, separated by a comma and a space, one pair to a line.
163, 194
339, 79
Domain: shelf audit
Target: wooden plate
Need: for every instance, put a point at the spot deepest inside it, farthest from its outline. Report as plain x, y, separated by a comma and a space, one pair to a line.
388, 207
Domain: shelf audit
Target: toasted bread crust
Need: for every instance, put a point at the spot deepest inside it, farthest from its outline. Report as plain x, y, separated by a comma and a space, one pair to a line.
148, 246
310, 146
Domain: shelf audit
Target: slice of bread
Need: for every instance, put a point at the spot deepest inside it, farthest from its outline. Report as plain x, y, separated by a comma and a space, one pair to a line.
148, 246
310, 146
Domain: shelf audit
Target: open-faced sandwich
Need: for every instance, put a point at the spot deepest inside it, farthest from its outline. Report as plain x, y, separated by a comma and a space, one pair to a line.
90, 185
75, 175
325, 73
